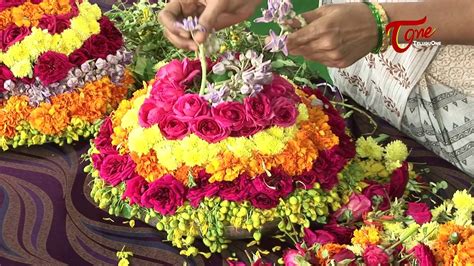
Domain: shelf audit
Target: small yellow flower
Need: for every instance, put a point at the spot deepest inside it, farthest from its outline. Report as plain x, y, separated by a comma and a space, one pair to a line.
396, 151
463, 201
368, 148
367, 235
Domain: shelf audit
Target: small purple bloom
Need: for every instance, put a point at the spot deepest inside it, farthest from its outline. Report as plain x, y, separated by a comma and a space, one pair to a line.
277, 43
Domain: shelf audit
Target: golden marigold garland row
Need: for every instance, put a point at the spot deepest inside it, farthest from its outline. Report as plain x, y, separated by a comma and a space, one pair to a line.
68, 115
31, 12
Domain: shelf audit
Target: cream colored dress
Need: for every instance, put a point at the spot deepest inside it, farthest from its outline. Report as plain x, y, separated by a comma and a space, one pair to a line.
426, 92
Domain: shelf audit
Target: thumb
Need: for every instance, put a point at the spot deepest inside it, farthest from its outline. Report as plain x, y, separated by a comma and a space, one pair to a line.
208, 19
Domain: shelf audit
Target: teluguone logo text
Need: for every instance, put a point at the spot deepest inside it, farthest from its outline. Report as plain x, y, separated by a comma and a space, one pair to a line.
415, 33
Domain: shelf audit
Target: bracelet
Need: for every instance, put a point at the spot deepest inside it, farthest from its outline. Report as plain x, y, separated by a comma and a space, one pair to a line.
381, 20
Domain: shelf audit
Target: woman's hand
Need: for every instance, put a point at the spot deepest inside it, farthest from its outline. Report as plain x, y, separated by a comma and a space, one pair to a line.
213, 14
336, 35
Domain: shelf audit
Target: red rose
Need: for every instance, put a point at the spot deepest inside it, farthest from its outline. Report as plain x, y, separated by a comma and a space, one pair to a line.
134, 189
103, 142
279, 181
318, 237
164, 195
79, 57
55, 24
198, 193
375, 256
423, 255
5, 74
420, 212
97, 46
236, 190
258, 108
307, 179
166, 93
345, 256
378, 194
285, 112
4, 4
342, 233
262, 196
52, 67
249, 129
112, 34
190, 106
280, 87
398, 182
209, 129
150, 114
12, 35
173, 128
117, 168
230, 114
327, 166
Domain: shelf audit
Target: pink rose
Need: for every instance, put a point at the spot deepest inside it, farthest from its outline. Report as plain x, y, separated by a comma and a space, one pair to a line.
357, 206
150, 114
117, 168
375, 256
423, 255
280, 87
398, 182
181, 72
173, 129
318, 237
52, 67
293, 257
12, 35
166, 93
55, 24
190, 106
209, 129
249, 129
5, 74
79, 57
285, 112
258, 108
230, 115
134, 189
164, 195
378, 194
236, 190
420, 212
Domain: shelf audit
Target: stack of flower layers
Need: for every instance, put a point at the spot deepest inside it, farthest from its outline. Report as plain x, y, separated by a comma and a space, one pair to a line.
62, 69
249, 150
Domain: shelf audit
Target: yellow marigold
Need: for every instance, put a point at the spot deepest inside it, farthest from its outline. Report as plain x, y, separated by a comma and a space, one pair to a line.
465, 253
367, 235
463, 201
49, 119
450, 236
369, 148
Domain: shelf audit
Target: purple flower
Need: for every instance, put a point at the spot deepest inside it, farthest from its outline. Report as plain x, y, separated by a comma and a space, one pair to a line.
278, 11
191, 24
277, 43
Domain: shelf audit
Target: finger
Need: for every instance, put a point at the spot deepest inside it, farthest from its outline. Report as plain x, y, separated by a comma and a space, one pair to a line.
303, 37
208, 19
171, 15
182, 43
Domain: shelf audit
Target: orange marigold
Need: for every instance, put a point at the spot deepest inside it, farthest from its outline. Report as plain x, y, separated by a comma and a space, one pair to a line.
465, 253
367, 235
49, 119
445, 250
12, 113
327, 251
29, 14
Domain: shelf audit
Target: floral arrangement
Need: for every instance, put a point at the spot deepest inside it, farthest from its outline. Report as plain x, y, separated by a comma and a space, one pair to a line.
62, 69
406, 233
244, 152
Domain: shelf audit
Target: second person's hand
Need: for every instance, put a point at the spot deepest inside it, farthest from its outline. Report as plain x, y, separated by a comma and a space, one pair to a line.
212, 14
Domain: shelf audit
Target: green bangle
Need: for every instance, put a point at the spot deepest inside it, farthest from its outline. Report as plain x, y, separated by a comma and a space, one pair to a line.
378, 20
